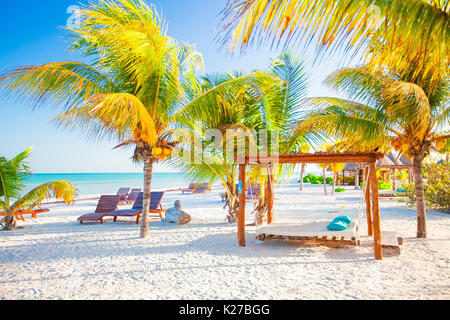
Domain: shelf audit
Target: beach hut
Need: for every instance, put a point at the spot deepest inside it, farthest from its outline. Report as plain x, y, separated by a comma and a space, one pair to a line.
370, 195
391, 162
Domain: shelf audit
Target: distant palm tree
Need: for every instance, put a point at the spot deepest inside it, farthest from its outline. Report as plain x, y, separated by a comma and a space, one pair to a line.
335, 168
413, 31
383, 108
304, 149
134, 90
13, 173
324, 167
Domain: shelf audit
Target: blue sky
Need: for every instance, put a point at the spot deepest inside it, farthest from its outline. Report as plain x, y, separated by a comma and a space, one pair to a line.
33, 36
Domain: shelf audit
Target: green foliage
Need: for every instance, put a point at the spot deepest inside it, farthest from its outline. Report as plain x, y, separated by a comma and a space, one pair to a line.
383, 185
310, 178
437, 186
13, 173
340, 190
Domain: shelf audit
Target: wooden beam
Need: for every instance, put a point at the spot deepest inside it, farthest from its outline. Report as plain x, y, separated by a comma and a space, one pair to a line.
269, 195
241, 216
367, 184
358, 157
376, 213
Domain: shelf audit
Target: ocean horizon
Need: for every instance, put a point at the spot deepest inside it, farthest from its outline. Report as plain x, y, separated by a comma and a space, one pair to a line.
90, 184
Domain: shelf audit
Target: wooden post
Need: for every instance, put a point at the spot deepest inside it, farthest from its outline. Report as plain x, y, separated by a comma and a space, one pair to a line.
376, 213
241, 216
393, 180
409, 175
269, 195
367, 184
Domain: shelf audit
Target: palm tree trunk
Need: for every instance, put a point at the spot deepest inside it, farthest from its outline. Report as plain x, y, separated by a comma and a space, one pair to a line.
10, 224
301, 177
233, 209
324, 181
357, 179
148, 172
420, 196
334, 183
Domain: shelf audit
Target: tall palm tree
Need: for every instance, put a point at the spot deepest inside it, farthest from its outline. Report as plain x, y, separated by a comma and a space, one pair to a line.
133, 91
383, 108
414, 31
13, 173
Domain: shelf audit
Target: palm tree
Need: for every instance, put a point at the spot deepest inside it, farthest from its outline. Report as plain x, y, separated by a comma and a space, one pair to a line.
13, 173
414, 31
324, 167
335, 168
134, 90
269, 104
383, 108
304, 149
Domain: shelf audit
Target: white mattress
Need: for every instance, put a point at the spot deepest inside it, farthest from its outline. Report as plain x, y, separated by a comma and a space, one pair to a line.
308, 229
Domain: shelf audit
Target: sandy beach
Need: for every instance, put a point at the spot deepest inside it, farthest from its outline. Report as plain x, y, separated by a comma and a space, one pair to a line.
54, 257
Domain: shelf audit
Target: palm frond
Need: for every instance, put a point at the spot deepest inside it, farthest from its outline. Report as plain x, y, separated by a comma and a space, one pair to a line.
66, 84
61, 190
116, 114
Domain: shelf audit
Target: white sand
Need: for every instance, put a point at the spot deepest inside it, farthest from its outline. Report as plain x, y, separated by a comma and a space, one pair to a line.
54, 257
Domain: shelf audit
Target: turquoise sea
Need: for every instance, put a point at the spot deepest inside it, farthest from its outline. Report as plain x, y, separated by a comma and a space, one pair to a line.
108, 183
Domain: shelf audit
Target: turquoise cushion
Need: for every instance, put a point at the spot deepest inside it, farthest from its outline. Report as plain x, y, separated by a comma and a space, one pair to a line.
345, 219
337, 226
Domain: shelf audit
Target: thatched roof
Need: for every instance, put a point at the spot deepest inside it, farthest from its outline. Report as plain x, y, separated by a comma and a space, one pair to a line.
389, 160
386, 162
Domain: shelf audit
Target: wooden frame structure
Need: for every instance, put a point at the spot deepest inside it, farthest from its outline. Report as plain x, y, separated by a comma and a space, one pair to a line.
371, 196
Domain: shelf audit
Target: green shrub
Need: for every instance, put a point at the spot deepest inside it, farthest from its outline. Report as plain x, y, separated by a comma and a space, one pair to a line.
383, 185
307, 179
316, 179
437, 186
340, 190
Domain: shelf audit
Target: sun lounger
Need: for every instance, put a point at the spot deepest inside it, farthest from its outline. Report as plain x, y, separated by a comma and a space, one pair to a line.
131, 198
136, 211
33, 210
106, 205
253, 191
197, 188
123, 193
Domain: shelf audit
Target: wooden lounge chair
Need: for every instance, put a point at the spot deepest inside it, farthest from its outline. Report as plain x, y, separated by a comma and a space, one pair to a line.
123, 193
136, 211
131, 198
253, 191
33, 210
106, 205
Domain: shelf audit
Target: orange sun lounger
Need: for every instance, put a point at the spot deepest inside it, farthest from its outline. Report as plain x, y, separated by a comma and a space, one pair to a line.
33, 210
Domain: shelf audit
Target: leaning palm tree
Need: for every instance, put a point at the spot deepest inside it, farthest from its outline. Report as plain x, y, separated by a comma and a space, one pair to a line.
13, 173
414, 31
381, 107
132, 92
